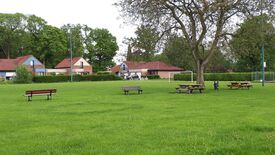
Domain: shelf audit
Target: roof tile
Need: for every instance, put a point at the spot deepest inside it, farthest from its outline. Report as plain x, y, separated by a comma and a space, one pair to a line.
66, 62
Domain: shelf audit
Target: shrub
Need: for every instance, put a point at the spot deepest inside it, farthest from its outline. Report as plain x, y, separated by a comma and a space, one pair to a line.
67, 78
53, 74
152, 77
104, 73
183, 77
238, 76
103, 77
22, 75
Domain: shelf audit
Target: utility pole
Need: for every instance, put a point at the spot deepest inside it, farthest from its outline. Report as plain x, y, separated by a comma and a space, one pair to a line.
262, 49
71, 56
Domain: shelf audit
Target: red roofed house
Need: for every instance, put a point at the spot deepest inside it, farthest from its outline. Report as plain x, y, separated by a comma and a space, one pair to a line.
130, 68
79, 66
8, 66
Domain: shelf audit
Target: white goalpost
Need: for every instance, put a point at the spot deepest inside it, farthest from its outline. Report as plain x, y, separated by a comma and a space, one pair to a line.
171, 75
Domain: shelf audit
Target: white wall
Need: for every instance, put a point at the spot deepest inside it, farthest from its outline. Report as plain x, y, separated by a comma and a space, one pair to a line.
85, 63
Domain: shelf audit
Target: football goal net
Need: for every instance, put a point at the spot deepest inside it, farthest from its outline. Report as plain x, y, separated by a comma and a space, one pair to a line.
172, 74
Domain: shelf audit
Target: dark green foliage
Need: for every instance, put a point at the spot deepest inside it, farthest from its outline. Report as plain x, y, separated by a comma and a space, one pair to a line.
77, 38
101, 47
13, 35
247, 42
76, 78
59, 78
217, 77
151, 77
104, 73
52, 46
178, 53
103, 77
22, 75
145, 43
28, 34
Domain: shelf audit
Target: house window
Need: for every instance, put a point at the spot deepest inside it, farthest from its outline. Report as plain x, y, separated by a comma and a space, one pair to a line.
153, 72
32, 63
123, 67
81, 65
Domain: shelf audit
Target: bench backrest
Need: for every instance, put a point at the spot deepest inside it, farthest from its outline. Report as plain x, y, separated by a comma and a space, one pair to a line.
131, 88
50, 91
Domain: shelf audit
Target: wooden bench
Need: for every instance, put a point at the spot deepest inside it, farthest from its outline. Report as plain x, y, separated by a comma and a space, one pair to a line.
126, 89
46, 92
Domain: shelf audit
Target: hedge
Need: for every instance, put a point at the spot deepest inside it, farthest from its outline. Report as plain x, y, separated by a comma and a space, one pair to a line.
66, 78
151, 77
217, 77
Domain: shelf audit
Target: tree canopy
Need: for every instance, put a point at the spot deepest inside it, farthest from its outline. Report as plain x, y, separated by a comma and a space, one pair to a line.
28, 34
101, 47
203, 24
247, 42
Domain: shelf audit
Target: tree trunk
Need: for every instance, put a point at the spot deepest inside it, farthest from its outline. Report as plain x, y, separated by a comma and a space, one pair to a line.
200, 72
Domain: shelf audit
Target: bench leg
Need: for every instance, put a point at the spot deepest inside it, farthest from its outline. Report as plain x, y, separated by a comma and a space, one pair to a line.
29, 98
48, 97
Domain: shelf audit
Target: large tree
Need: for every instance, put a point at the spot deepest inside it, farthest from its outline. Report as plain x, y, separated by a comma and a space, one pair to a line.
76, 37
178, 53
101, 47
247, 42
143, 47
203, 23
13, 35
52, 47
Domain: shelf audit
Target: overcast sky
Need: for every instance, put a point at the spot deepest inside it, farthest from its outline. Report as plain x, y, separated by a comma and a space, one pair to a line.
95, 13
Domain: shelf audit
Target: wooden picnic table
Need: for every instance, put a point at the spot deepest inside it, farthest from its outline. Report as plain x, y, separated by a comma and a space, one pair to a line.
189, 88
240, 84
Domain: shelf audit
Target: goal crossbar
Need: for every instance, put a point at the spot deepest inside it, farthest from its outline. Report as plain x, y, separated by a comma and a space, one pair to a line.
188, 71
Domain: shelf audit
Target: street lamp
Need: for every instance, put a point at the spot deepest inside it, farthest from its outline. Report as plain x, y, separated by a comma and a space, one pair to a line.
71, 56
262, 49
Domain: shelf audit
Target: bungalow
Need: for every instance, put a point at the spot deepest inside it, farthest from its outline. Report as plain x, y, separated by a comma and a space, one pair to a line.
8, 66
130, 68
79, 66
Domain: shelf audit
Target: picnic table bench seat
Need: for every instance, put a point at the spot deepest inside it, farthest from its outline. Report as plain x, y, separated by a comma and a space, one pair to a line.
45, 92
180, 90
126, 89
239, 85
190, 88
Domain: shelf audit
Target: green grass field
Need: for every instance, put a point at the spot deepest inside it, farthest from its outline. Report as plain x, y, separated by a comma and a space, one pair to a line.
96, 118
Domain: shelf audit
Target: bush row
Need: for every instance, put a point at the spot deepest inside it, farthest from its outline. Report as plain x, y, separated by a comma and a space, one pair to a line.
151, 77
217, 77
66, 78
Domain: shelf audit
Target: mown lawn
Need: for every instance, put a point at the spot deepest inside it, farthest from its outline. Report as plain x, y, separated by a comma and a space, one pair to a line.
96, 118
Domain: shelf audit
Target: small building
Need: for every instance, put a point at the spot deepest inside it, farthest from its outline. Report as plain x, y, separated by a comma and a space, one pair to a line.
8, 66
140, 68
79, 66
